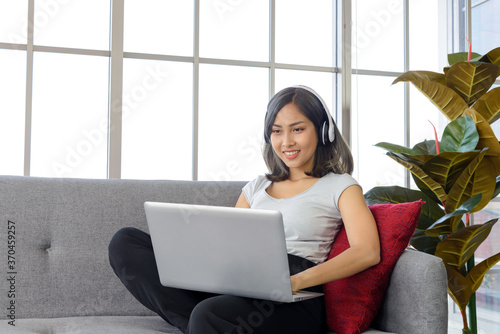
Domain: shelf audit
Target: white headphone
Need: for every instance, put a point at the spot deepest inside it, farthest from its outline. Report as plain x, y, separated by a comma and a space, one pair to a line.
328, 128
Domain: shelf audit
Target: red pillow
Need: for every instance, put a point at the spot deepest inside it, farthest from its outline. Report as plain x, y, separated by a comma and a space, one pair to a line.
353, 302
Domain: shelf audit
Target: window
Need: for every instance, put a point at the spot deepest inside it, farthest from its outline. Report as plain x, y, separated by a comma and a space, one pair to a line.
389, 38
13, 22
231, 120
13, 16
157, 119
485, 26
159, 27
235, 30
62, 23
12, 111
55, 88
69, 115
187, 83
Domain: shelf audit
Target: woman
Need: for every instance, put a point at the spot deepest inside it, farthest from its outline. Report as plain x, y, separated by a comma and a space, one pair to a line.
309, 181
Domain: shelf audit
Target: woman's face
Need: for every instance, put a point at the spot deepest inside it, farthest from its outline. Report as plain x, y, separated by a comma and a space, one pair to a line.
294, 139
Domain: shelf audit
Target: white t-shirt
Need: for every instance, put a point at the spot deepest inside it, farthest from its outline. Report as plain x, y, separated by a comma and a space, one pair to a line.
311, 218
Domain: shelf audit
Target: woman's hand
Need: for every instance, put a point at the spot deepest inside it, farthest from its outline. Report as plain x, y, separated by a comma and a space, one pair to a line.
295, 284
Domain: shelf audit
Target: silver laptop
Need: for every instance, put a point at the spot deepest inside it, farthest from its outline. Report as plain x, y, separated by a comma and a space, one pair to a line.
222, 250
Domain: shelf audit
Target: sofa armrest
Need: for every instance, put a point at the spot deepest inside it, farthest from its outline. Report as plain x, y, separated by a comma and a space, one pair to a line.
416, 300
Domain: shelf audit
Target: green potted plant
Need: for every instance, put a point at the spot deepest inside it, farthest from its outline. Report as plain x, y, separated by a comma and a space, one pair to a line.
456, 175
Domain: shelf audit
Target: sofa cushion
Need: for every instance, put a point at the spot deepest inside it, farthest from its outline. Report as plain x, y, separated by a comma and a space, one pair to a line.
353, 302
91, 325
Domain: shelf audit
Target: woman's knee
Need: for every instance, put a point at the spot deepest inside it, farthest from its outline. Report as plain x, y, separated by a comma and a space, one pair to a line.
210, 316
229, 314
122, 243
120, 239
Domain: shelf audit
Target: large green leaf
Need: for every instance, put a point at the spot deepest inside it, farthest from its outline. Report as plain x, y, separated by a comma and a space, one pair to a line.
461, 189
445, 98
430, 185
419, 159
446, 167
417, 75
430, 212
391, 194
456, 223
471, 80
482, 182
423, 242
492, 57
461, 245
479, 270
487, 138
446, 228
488, 105
426, 147
497, 188
467, 207
397, 148
443, 228
459, 135
426, 189
461, 288
457, 57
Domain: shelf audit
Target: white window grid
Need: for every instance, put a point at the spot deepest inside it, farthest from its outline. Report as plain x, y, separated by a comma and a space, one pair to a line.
116, 56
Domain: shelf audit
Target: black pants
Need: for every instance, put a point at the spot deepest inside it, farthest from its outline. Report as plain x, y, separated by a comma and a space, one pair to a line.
131, 257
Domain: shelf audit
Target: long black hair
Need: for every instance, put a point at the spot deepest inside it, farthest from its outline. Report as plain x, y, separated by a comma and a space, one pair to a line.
333, 157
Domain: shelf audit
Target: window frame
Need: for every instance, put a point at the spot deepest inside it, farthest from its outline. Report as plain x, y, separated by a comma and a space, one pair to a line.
116, 54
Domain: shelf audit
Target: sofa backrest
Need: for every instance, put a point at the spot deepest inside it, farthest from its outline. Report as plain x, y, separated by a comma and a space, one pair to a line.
59, 252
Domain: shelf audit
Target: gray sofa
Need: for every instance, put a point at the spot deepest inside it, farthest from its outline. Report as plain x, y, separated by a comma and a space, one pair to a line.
56, 277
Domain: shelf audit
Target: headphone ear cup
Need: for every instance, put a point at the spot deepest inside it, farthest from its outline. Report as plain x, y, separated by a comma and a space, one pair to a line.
324, 133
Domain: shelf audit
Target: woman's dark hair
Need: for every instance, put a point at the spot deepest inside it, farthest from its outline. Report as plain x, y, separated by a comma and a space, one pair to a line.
333, 157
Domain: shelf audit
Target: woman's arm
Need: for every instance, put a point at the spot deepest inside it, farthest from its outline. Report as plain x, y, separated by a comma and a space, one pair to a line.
364, 250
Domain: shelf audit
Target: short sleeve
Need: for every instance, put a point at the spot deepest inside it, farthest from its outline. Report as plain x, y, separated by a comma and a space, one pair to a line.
343, 182
252, 187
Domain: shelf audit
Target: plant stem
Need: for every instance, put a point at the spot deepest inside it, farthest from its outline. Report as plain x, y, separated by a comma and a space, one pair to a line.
472, 301
472, 314
464, 319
